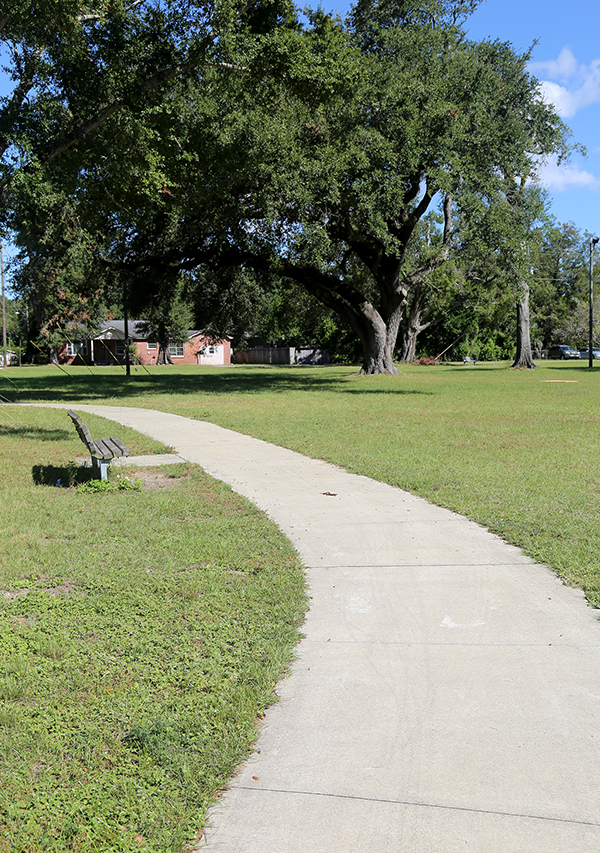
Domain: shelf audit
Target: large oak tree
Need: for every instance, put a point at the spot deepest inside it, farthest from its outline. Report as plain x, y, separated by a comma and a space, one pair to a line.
310, 152
335, 140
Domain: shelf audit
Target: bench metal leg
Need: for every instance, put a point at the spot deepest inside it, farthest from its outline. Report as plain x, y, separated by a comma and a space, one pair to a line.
102, 466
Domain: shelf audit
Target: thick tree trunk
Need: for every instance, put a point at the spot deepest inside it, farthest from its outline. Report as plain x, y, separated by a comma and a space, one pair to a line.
163, 356
409, 344
378, 340
524, 356
411, 325
391, 337
377, 329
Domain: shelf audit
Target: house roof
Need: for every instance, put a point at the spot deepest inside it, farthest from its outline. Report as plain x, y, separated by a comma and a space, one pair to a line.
116, 329
111, 329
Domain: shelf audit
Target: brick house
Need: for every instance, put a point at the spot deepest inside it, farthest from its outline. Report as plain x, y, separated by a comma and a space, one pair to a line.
108, 347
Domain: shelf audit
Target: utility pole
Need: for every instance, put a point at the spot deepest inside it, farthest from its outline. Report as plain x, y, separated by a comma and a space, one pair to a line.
3, 301
126, 335
593, 242
124, 295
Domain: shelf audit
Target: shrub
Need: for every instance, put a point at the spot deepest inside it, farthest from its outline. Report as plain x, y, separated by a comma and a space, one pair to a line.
124, 485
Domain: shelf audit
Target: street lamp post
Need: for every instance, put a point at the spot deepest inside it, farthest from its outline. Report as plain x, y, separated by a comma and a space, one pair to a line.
593, 242
17, 315
3, 303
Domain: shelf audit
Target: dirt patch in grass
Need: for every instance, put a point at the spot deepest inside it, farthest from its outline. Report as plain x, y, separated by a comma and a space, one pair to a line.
68, 587
13, 594
152, 480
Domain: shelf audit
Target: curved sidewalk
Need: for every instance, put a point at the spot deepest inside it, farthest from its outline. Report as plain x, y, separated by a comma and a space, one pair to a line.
447, 694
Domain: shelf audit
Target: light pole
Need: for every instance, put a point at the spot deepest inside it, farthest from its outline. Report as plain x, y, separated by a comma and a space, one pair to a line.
17, 315
593, 242
3, 302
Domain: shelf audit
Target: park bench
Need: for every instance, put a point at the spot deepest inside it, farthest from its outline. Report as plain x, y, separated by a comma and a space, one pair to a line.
468, 359
103, 450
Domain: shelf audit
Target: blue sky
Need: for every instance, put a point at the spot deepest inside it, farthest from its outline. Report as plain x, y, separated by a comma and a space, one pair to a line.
566, 59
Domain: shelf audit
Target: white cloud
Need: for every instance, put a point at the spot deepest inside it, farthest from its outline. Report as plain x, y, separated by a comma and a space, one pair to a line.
566, 177
566, 84
558, 69
559, 97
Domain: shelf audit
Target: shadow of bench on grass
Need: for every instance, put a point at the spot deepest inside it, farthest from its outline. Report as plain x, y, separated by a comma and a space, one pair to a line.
63, 476
81, 471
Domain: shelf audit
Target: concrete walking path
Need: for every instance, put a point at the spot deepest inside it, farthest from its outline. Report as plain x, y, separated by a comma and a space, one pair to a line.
447, 694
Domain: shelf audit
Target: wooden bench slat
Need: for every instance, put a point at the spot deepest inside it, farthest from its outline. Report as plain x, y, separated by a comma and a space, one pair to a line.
123, 449
103, 449
84, 434
112, 446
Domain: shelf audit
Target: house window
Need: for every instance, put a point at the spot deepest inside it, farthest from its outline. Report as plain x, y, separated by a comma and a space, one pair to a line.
176, 350
152, 344
76, 349
120, 350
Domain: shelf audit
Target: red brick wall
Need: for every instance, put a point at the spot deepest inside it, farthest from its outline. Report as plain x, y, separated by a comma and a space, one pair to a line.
192, 353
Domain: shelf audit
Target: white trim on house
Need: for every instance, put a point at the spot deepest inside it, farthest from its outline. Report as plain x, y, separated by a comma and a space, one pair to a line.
77, 348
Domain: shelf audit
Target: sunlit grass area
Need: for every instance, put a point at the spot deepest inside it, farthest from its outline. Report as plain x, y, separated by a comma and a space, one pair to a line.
141, 637
517, 451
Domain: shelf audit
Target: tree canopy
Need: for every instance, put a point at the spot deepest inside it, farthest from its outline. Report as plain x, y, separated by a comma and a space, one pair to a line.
86, 79
239, 137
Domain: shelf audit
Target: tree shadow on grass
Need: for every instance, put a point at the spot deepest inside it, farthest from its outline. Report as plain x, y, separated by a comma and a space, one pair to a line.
401, 392
35, 433
116, 386
475, 368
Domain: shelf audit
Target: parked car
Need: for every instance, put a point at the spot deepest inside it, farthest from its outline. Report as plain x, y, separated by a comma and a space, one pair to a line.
584, 353
563, 351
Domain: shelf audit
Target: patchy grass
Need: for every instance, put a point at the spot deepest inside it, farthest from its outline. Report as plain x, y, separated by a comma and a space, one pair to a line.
141, 636
517, 451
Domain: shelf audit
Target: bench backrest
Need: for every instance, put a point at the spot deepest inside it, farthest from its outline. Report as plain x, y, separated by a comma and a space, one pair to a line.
85, 436
82, 430
103, 448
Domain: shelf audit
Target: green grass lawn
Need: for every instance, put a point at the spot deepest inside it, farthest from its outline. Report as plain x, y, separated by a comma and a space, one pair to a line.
518, 451
142, 632
141, 636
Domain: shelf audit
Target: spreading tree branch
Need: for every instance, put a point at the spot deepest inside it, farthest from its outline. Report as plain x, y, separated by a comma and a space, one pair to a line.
86, 19
152, 83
